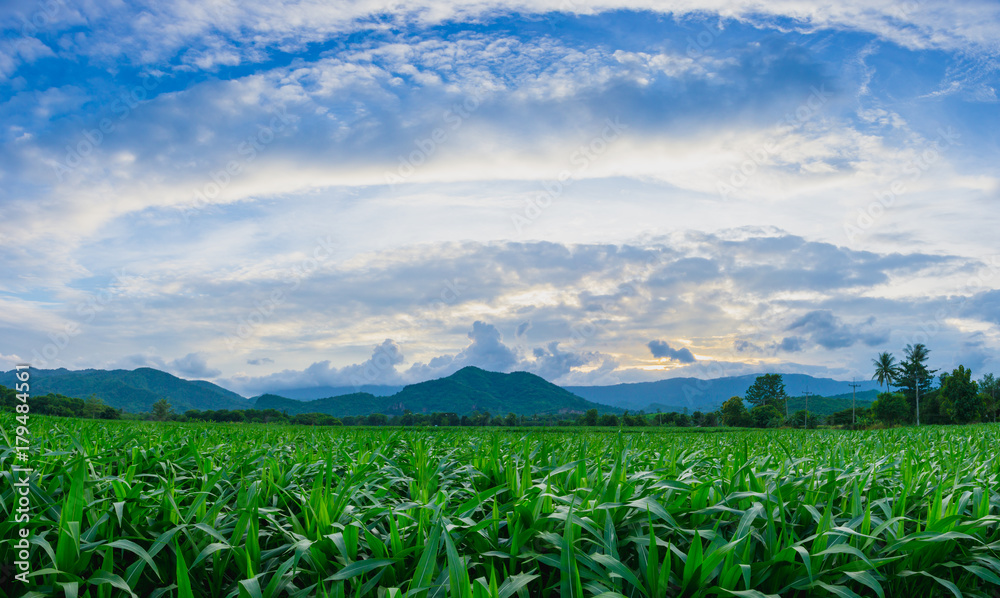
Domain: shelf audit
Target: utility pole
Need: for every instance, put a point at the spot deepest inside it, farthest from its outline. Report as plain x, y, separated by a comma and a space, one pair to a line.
854, 394
807, 408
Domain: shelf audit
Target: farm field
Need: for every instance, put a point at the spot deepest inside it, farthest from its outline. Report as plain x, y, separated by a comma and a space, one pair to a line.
149, 510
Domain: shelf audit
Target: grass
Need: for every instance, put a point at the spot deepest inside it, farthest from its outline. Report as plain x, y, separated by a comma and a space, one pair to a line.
151, 510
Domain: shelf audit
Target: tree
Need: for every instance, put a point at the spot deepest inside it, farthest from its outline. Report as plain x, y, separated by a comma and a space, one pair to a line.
798, 419
960, 396
886, 369
891, 408
988, 387
633, 420
608, 419
590, 418
110, 412
511, 420
734, 414
162, 410
848, 417
93, 407
914, 378
768, 389
766, 416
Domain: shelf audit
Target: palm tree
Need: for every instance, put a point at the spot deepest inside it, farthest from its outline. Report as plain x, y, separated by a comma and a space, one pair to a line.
886, 369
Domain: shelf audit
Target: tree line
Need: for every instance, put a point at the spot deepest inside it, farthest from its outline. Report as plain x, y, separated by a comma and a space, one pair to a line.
910, 397
60, 405
956, 399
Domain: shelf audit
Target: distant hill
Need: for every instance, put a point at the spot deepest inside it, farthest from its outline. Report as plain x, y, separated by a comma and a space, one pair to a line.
361, 403
131, 390
817, 404
704, 395
828, 405
322, 392
467, 390
660, 408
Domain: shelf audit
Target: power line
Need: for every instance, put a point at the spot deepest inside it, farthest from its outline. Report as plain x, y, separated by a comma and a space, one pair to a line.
854, 393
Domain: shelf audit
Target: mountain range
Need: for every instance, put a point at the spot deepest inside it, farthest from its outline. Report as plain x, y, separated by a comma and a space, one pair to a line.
675, 394
130, 390
467, 390
470, 389
310, 393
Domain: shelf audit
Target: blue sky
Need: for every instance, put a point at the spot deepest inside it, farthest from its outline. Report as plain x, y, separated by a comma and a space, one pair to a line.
275, 194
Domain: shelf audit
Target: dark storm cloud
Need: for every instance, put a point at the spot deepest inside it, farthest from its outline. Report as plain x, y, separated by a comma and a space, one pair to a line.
828, 331
662, 350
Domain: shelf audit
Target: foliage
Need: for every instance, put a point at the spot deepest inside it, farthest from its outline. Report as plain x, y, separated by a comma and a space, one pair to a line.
734, 414
766, 416
56, 404
846, 417
168, 509
805, 419
608, 419
464, 392
891, 408
886, 369
768, 389
132, 391
960, 396
914, 373
162, 410
989, 387
828, 405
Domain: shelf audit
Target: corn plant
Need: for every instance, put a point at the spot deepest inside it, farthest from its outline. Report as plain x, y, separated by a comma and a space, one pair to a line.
190, 510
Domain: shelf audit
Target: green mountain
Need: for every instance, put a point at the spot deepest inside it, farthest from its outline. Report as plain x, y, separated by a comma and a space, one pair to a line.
131, 390
828, 405
467, 390
661, 408
359, 403
704, 395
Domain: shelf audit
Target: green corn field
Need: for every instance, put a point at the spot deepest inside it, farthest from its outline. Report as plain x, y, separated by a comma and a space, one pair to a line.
157, 510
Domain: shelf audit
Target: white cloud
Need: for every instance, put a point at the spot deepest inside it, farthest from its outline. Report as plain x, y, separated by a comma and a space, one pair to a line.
476, 127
